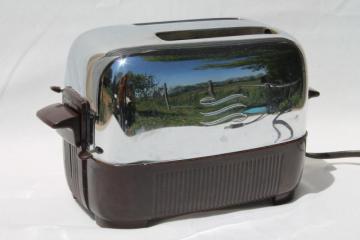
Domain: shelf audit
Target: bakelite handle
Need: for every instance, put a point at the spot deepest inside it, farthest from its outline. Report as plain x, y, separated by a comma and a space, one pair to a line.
65, 120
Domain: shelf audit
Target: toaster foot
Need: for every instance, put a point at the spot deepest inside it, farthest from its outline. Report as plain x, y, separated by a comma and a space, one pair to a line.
283, 198
121, 224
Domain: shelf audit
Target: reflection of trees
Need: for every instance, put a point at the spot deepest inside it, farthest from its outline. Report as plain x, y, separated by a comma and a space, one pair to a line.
143, 84
149, 105
281, 65
118, 96
124, 101
279, 62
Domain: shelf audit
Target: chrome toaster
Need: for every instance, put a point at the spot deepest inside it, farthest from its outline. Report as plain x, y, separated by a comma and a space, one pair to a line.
167, 118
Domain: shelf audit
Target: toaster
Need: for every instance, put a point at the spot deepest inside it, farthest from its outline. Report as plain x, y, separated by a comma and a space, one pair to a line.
168, 118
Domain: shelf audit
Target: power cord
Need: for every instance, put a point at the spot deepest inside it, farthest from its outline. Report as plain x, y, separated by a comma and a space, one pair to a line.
330, 155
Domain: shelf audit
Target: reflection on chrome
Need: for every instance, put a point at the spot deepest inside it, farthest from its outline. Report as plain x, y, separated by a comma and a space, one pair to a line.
278, 121
222, 89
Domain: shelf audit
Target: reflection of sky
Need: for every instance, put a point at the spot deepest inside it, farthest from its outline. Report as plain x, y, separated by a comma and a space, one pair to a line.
176, 73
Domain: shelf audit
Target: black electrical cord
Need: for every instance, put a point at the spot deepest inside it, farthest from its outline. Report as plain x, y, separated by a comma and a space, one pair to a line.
330, 155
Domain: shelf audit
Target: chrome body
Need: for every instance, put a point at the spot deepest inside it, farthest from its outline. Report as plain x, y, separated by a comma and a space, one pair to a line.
159, 100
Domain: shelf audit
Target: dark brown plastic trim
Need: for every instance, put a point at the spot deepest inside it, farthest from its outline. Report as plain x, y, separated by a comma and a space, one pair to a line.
74, 100
72, 119
313, 93
134, 195
65, 120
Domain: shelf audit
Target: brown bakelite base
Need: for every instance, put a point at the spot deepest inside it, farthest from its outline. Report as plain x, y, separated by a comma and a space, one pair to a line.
283, 198
133, 195
121, 224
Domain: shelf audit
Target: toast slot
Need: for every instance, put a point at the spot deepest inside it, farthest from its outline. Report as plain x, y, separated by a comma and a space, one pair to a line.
212, 33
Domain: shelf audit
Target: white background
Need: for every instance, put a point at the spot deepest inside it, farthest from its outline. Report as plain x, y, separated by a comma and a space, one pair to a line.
35, 202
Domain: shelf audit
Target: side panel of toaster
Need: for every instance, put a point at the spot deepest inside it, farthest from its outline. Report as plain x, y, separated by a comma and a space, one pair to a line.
166, 103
